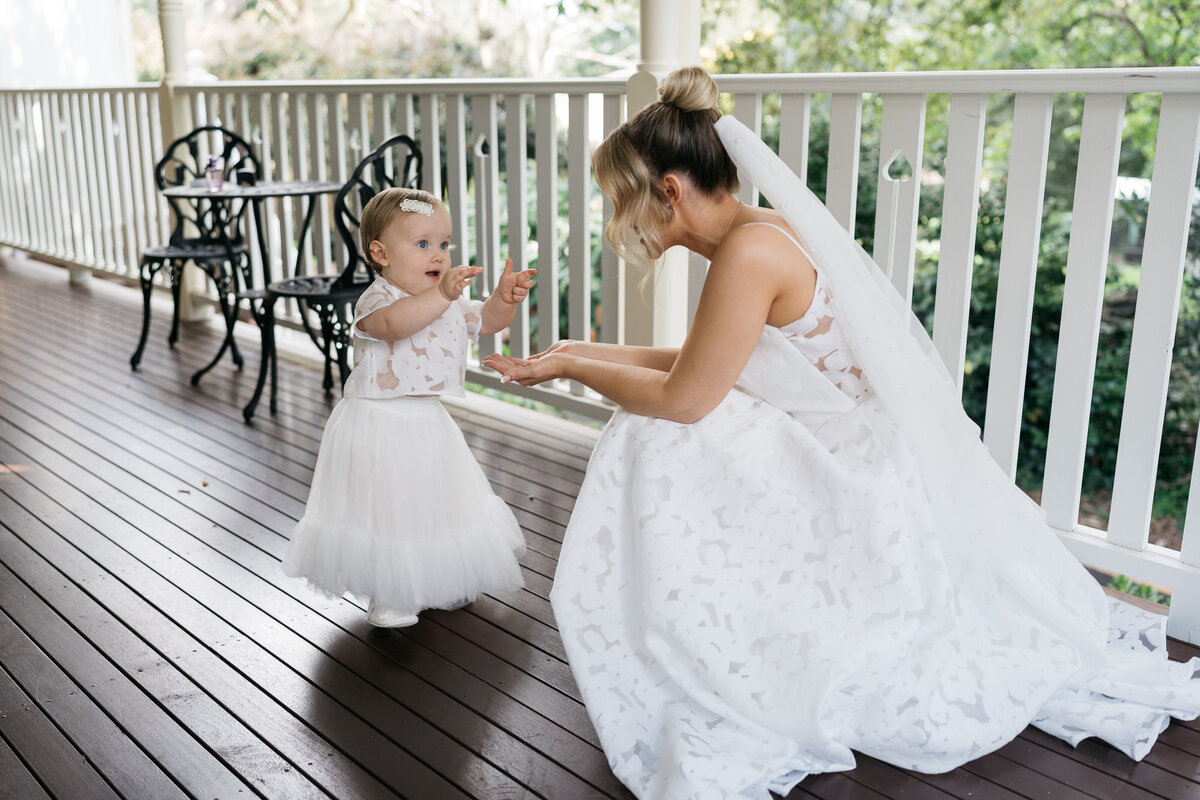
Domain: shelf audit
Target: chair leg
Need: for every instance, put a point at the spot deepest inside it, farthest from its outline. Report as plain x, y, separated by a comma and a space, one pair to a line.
327, 345
226, 343
235, 270
176, 271
343, 347
226, 289
145, 277
274, 355
266, 327
238, 361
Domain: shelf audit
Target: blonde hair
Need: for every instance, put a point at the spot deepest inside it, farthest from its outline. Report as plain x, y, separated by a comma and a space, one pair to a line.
675, 135
380, 212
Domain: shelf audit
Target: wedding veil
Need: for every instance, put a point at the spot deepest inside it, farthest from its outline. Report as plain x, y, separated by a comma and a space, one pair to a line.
981, 516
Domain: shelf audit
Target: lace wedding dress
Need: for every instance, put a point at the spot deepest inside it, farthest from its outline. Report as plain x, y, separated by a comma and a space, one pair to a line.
830, 561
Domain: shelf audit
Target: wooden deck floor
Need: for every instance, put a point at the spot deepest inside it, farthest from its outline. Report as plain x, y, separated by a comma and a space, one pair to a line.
150, 646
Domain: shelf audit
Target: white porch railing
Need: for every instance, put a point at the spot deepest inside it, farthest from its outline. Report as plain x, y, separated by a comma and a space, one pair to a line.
75, 187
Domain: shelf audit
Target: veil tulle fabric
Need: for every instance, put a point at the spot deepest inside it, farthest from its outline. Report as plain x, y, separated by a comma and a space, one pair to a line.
912, 385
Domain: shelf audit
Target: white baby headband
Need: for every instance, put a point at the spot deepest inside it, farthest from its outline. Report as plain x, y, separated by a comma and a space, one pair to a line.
417, 206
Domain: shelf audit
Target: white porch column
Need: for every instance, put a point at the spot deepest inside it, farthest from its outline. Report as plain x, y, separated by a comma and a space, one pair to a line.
670, 36
176, 121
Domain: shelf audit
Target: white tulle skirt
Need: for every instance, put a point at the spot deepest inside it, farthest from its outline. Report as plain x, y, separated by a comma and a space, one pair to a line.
400, 513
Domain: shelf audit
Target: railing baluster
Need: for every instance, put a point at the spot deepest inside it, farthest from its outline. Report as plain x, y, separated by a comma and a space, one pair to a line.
579, 249
747, 109
22, 192
404, 114
336, 114
380, 120
59, 202
131, 153
845, 134
226, 110
241, 120
123, 142
456, 177
162, 216
546, 152
487, 204
960, 207
1184, 621
36, 164
96, 189
147, 157
253, 130
69, 175
259, 133
517, 189
1083, 296
1018, 268
902, 133
324, 247
1167, 226
358, 131
9, 220
285, 209
113, 179
24, 170
293, 121
199, 112
795, 114
430, 143
612, 271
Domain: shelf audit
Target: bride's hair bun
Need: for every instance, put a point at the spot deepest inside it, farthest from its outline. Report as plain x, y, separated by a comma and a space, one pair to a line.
674, 135
690, 89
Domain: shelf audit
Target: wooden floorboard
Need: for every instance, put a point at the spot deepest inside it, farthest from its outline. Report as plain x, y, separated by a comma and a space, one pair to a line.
150, 645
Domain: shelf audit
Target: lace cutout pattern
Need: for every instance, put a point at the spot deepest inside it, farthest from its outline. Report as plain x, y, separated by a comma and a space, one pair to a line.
817, 335
430, 362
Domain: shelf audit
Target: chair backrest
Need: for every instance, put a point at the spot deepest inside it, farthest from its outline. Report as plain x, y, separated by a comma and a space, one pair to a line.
185, 162
396, 162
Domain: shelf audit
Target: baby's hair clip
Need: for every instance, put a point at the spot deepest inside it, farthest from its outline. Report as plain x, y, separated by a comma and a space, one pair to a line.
417, 206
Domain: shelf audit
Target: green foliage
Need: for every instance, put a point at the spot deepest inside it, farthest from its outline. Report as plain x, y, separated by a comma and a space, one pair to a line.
1122, 583
1116, 328
889, 35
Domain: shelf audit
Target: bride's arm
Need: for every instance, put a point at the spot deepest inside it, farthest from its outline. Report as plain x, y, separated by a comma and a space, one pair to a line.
743, 281
659, 358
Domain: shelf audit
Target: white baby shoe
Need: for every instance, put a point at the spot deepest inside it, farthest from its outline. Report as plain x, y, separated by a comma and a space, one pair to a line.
389, 617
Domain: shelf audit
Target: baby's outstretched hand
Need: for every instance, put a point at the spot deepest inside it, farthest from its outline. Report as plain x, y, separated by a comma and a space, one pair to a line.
514, 287
455, 280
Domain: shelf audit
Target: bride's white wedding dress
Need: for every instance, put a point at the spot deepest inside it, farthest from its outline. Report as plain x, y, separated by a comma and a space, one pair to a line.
822, 565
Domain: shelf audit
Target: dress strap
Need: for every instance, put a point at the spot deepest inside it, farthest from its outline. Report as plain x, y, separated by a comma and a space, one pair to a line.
792, 238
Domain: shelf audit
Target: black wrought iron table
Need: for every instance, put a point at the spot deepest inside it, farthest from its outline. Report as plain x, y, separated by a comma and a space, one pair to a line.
256, 295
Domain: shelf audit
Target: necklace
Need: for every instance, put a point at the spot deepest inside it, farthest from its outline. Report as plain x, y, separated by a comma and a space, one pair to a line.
729, 224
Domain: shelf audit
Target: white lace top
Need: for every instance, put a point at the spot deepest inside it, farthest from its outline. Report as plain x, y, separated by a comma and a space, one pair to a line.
430, 362
817, 335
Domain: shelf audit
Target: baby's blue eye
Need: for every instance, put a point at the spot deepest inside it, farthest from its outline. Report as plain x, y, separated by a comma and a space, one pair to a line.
445, 245
422, 244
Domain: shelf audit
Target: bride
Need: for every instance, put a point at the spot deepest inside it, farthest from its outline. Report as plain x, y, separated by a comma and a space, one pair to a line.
790, 543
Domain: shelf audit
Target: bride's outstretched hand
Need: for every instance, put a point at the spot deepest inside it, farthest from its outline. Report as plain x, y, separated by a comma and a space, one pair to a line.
527, 371
566, 346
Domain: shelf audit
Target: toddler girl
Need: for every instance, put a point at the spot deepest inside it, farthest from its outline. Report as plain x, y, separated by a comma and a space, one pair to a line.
399, 512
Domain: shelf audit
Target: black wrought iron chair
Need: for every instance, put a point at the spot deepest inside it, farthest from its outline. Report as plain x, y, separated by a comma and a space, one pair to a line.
206, 231
331, 298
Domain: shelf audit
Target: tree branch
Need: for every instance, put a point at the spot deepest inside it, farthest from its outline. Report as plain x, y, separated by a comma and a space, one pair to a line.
1114, 17
349, 12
